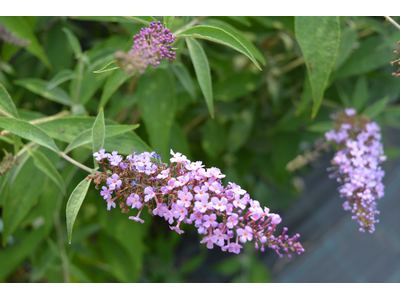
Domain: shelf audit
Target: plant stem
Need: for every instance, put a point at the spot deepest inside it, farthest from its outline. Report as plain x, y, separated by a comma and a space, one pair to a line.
73, 161
393, 22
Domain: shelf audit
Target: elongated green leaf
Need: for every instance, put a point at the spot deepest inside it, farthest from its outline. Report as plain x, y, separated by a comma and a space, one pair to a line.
218, 35
240, 19
29, 132
183, 75
367, 57
168, 22
39, 86
144, 20
319, 39
239, 36
108, 67
73, 41
203, 72
85, 138
22, 196
98, 133
7, 104
375, 109
20, 27
44, 164
60, 77
114, 81
156, 96
74, 204
360, 94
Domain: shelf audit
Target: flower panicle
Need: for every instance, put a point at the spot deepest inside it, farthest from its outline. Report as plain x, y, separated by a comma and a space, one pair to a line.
356, 165
186, 192
150, 46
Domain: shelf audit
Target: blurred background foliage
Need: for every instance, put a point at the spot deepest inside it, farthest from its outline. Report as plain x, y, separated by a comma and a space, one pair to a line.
262, 120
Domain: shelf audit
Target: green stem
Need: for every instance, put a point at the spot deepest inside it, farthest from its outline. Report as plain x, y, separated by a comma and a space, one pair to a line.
73, 161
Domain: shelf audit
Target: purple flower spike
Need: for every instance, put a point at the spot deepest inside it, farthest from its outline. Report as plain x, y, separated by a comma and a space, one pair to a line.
186, 192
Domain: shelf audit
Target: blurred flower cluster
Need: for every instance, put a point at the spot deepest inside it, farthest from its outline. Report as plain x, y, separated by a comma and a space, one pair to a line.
356, 165
8, 37
185, 192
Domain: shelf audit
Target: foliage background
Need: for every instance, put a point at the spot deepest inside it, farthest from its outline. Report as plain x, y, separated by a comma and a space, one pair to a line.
262, 121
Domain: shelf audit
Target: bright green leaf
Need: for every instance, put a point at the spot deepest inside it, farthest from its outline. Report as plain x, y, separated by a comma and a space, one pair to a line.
74, 204
321, 127
239, 36
7, 104
108, 67
347, 41
218, 35
319, 39
305, 98
60, 77
202, 70
21, 28
39, 86
29, 132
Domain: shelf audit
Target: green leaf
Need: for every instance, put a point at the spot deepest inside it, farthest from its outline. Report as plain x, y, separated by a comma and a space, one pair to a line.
22, 196
347, 41
360, 94
114, 81
144, 20
108, 67
7, 104
319, 39
60, 77
168, 22
74, 42
220, 36
68, 128
213, 139
156, 96
240, 129
376, 108
239, 36
98, 133
183, 75
237, 85
320, 127
21, 28
240, 19
44, 165
29, 132
85, 138
74, 204
39, 86
367, 57
202, 70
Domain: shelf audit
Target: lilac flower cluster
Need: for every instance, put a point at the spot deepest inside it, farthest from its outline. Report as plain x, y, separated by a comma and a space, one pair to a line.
9, 38
357, 165
150, 46
186, 192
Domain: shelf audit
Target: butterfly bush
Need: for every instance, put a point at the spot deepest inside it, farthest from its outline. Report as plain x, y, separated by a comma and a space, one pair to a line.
356, 165
186, 192
8, 37
150, 46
